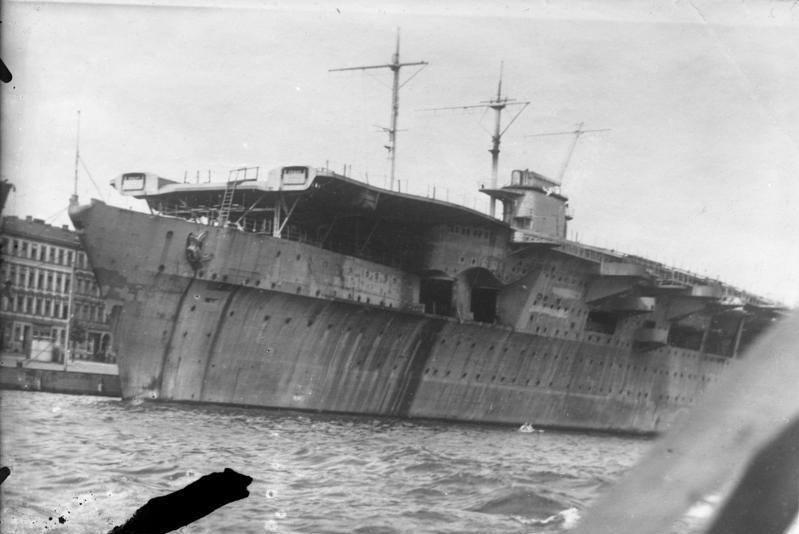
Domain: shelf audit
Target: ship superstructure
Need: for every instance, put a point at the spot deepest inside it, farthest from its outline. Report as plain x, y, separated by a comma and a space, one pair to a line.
303, 288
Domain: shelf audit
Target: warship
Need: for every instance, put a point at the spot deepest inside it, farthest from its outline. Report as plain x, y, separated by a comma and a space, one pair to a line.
302, 288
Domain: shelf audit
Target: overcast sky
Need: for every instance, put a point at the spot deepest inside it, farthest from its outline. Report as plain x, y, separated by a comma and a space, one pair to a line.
700, 168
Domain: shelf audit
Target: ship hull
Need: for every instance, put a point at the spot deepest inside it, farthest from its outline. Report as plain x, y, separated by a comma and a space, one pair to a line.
182, 337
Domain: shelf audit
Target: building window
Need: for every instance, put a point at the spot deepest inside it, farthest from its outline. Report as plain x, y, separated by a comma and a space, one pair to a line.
34, 251
40, 284
69, 257
61, 256
49, 281
41, 332
24, 249
28, 305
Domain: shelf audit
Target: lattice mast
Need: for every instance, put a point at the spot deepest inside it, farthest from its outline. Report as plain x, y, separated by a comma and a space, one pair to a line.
395, 67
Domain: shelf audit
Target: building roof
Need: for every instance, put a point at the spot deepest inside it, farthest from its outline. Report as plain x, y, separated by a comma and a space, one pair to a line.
38, 230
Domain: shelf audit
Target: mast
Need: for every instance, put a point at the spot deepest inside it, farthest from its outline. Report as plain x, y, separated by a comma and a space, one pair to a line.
74, 198
395, 67
72, 201
498, 104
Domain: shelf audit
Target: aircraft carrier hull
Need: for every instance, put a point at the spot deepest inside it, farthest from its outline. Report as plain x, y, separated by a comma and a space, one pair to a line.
224, 337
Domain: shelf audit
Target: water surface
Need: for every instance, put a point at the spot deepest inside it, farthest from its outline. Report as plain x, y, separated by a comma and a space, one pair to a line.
93, 461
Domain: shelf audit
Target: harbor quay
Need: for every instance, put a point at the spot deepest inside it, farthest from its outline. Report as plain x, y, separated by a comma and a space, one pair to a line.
55, 333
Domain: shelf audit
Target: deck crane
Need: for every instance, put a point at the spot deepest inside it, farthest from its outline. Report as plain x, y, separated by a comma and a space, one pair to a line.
576, 133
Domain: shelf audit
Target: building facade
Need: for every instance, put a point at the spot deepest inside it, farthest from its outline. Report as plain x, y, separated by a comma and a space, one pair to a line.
44, 274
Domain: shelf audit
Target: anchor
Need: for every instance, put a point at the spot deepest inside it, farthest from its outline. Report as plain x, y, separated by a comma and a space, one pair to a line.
194, 250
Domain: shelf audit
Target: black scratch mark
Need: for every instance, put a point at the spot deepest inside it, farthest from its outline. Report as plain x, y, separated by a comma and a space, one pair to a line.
5, 74
198, 499
4, 472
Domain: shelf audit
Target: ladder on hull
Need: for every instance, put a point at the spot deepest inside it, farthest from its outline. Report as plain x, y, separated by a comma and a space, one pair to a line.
235, 177
227, 202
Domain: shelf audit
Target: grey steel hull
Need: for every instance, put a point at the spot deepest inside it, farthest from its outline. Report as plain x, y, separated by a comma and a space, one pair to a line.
182, 337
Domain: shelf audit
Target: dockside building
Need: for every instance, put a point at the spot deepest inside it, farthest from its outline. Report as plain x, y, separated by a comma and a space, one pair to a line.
44, 274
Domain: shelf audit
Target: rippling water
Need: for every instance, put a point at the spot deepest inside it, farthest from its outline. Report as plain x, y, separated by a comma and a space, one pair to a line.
94, 461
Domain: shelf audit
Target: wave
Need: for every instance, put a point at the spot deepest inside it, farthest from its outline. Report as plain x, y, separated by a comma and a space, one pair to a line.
520, 502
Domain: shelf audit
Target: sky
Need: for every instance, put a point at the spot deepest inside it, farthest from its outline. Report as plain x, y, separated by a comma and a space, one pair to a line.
698, 167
